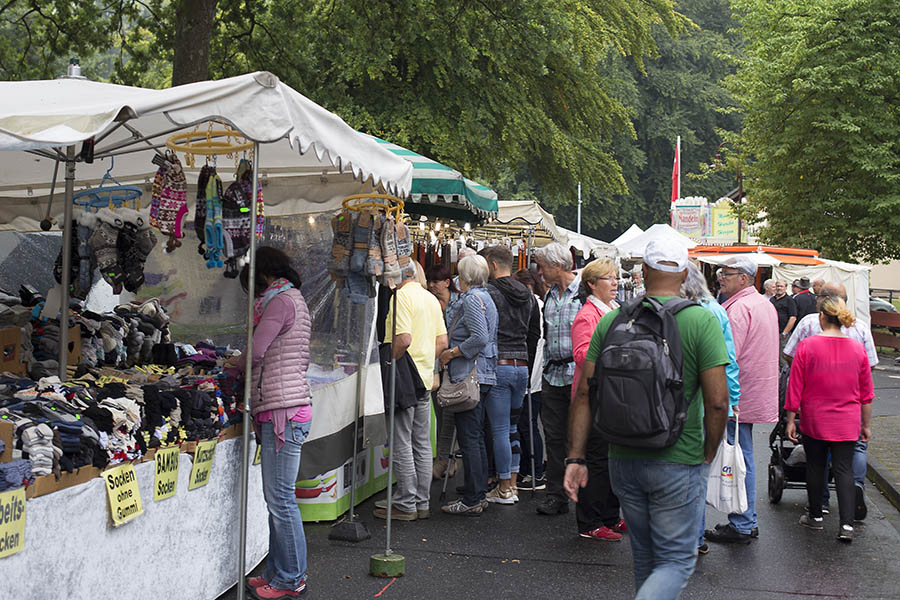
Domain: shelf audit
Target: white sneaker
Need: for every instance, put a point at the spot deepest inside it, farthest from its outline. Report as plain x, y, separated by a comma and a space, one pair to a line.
499, 496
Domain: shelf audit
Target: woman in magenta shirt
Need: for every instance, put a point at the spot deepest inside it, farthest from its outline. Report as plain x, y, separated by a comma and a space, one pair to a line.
831, 386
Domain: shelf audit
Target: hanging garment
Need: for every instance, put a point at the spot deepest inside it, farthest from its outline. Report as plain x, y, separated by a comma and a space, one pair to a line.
340, 246
200, 207
170, 201
213, 228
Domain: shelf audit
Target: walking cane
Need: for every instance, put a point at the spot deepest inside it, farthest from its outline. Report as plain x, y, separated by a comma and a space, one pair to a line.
531, 442
447, 470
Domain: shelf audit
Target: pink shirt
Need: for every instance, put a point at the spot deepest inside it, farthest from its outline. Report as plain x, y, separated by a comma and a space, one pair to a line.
582, 330
754, 325
830, 381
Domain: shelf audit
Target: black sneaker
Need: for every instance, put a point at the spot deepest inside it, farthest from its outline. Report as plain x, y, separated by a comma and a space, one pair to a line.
846, 534
527, 483
825, 510
703, 549
727, 534
815, 523
754, 533
861, 510
552, 505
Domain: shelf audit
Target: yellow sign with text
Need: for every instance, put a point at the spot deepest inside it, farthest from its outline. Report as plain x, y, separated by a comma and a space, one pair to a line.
203, 460
123, 493
12, 522
166, 482
257, 458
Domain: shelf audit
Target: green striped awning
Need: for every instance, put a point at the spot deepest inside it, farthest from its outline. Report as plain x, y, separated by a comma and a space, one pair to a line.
434, 182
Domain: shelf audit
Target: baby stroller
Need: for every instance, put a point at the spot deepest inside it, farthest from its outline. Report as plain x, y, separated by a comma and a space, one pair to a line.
787, 466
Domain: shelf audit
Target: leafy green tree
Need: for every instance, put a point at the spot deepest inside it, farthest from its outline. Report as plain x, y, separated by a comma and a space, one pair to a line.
820, 85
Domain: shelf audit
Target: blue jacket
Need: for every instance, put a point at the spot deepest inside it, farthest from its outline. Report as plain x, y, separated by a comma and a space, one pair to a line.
731, 370
475, 332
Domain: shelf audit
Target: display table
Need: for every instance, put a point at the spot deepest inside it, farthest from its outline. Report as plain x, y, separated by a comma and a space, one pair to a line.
182, 547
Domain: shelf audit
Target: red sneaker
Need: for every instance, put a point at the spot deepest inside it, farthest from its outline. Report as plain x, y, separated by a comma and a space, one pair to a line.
620, 526
267, 592
255, 582
603, 533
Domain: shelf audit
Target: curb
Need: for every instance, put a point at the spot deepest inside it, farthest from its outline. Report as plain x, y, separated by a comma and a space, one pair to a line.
884, 480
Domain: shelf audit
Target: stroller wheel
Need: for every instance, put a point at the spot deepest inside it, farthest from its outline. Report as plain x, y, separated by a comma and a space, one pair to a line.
776, 483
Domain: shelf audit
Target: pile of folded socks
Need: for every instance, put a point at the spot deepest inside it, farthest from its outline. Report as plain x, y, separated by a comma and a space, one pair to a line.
15, 474
38, 447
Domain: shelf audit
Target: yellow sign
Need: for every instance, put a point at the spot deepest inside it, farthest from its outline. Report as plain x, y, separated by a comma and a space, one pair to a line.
124, 494
203, 459
724, 223
257, 458
166, 481
12, 522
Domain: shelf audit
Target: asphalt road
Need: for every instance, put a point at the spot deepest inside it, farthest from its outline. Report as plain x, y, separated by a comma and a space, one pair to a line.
511, 552
887, 391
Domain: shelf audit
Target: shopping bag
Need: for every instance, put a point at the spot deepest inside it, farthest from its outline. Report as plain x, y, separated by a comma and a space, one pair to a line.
726, 491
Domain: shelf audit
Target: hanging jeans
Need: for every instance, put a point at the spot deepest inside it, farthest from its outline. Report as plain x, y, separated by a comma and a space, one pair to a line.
286, 566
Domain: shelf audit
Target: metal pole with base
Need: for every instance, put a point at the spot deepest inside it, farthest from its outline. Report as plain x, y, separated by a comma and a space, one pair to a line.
66, 264
248, 370
351, 530
390, 564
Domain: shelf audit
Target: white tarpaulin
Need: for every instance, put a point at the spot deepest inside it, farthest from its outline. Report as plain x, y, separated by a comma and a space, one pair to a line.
309, 161
588, 246
854, 277
635, 246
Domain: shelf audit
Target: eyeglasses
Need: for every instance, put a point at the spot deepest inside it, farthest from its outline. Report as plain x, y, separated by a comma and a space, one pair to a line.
723, 274
608, 278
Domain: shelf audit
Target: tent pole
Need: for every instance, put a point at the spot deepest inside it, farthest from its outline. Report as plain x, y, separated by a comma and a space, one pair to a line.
248, 378
66, 264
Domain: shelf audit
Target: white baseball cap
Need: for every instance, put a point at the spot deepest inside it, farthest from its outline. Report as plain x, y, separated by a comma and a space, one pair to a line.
659, 251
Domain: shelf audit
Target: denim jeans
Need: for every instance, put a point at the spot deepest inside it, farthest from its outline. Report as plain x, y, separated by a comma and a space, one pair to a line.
504, 402
286, 566
746, 521
469, 428
527, 428
412, 455
659, 502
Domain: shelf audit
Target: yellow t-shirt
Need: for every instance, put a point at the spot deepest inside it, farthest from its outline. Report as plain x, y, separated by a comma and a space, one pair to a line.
418, 314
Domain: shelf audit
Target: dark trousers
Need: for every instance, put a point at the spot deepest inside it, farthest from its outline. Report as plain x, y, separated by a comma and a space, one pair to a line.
527, 428
470, 435
555, 402
597, 504
842, 467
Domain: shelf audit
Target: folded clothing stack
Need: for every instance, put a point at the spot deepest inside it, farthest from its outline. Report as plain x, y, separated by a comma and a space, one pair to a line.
38, 447
15, 474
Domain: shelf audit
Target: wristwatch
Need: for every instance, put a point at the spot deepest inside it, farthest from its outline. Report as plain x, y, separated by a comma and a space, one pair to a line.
575, 461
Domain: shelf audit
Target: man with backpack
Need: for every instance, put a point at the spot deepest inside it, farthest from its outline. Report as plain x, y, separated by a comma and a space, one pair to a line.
654, 376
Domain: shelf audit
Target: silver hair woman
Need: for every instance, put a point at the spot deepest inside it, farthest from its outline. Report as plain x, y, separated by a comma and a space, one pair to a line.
694, 286
473, 271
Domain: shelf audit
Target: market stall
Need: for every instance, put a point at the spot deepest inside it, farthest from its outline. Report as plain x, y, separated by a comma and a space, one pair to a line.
633, 246
72, 140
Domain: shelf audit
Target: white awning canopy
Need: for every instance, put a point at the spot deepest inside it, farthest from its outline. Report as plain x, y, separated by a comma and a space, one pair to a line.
635, 246
316, 158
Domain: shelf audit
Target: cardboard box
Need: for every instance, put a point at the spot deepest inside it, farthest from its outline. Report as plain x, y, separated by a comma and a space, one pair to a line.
74, 354
47, 484
11, 350
7, 432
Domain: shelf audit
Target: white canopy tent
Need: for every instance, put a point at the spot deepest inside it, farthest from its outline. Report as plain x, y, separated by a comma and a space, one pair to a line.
524, 212
634, 247
311, 158
588, 246
630, 233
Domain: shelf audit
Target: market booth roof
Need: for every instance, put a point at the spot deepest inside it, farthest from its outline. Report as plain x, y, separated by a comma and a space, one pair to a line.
305, 145
433, 182
635, 246
762, 255
631, 233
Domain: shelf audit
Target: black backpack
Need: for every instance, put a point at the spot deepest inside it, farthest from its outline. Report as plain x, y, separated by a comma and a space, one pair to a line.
637, 392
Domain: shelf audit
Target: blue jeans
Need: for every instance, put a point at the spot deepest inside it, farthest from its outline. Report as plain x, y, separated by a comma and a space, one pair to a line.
746, 521
659, 502
469, 430
286, 566
504, 402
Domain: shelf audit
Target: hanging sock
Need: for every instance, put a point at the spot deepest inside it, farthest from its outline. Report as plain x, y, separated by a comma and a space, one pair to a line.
340, 246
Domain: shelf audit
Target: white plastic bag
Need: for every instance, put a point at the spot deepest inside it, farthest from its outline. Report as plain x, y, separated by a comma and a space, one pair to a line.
727, 491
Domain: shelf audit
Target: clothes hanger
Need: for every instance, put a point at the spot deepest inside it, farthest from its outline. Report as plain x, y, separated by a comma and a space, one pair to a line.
108, 196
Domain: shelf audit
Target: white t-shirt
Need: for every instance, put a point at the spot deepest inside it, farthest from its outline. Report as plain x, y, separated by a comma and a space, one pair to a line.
810, 326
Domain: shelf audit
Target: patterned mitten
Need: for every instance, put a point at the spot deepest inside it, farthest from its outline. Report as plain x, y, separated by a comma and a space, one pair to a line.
392, 275
200, 207
215, 242
374, 263
404, 249
340, 246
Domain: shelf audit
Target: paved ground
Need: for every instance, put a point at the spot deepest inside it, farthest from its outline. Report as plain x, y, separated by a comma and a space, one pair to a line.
511, 552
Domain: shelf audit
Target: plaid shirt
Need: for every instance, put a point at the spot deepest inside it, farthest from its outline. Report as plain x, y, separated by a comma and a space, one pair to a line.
559, 314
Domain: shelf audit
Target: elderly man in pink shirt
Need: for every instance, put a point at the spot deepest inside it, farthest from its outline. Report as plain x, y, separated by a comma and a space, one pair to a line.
754, 323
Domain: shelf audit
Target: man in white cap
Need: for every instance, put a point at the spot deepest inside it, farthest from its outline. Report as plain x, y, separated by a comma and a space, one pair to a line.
754, 324
662, 491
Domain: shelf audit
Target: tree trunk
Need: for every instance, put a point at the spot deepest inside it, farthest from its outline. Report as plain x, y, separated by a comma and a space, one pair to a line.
193, 31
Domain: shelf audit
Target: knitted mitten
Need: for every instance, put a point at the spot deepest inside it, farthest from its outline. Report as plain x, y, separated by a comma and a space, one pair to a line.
392, 275
404, 250
374, 263
200, 207
362, 224
213, 233
156, 196
340, 246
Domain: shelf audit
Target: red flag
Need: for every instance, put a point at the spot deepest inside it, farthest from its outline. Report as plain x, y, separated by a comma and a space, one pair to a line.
676, 173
